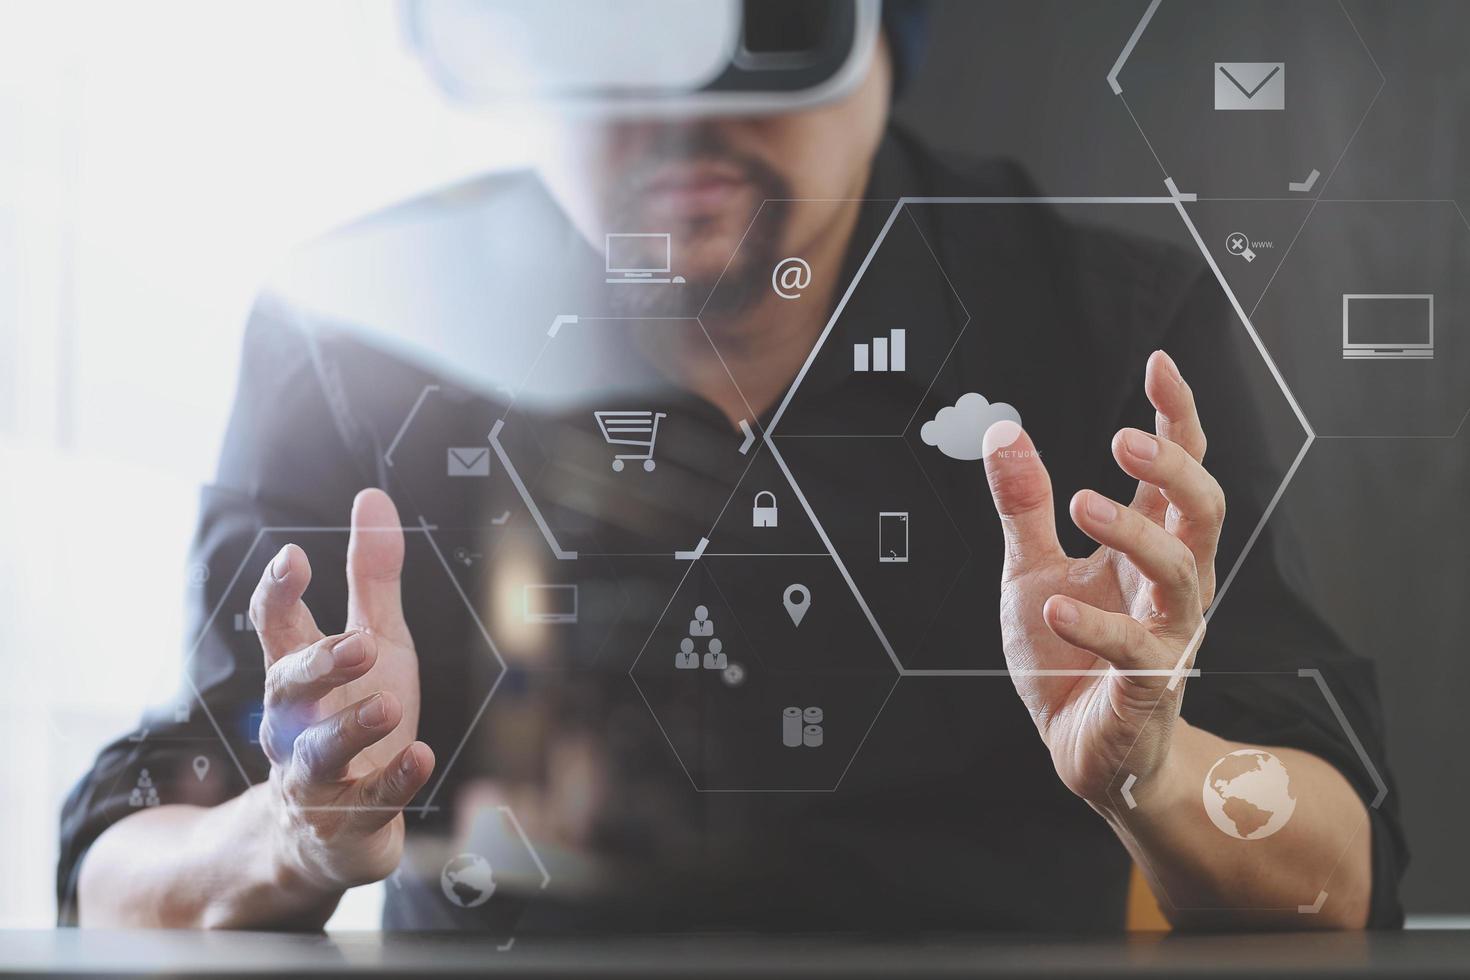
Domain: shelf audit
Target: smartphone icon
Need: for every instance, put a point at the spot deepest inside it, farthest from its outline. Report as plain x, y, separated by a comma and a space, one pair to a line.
893, 535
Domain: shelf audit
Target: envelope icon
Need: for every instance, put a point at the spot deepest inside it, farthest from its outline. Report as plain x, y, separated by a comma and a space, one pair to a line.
1250, 85
469, 461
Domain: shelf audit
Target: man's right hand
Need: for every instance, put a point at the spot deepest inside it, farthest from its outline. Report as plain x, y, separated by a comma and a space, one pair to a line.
341, 711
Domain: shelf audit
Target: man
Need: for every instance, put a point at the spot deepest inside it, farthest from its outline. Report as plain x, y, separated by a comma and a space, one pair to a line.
947, 809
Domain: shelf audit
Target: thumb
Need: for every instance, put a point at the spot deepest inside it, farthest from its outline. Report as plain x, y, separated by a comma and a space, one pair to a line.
375, 564
1021, 489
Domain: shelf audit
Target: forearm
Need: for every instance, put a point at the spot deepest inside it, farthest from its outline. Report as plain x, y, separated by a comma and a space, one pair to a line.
198, 867
1206, 879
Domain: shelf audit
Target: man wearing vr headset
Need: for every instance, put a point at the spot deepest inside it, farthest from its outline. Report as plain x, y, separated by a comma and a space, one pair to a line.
954, 815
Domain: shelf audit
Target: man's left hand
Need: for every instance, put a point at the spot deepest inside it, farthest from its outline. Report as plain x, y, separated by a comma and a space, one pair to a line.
1093, 643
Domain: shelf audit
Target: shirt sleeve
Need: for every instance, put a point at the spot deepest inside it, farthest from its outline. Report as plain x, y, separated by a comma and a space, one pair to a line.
1274, 672
291, 458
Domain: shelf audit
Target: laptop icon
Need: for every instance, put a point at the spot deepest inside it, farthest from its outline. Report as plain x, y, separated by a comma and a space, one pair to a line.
548, 603
639, 257
1387, 325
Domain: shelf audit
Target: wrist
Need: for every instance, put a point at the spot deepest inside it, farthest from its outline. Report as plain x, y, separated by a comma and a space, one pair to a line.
1159, 790
272, 883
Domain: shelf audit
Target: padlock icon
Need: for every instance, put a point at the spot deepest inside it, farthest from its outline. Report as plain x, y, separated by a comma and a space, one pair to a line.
762, 515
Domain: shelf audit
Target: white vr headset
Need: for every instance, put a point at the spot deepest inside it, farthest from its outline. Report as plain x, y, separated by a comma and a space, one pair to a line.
646, 57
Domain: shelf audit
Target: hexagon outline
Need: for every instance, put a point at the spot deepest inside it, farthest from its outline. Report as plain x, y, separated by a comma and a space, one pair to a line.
693, 783
493, 437
1311, 181
1176, 199
1265, 290
1123, 795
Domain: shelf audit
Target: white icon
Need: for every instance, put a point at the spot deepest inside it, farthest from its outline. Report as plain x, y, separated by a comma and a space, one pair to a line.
1387, 325
714, 658
630, 429
790, 276
1248, 794
182, 711
640, 258
889, 353
198, 573
893, 536
201, 766
797, 599
733, 675
959, 429
761, 514
1237, 244
243, 623
466, 557
469, 461
548, 603
701, 624
144, 793
801, 727
467, 880
1250, 85
686, 658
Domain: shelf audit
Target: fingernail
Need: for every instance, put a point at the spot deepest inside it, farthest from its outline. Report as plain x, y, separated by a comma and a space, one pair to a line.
281, 564
1064, 611
1000, 435
349, 651
1172, 368
1140, 444
410, 762
1100, 508
372, 714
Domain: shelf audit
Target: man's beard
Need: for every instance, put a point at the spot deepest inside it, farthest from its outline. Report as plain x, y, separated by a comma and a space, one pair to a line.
736, 287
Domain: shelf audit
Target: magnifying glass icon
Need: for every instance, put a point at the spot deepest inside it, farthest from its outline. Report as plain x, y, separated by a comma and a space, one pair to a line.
1237, 244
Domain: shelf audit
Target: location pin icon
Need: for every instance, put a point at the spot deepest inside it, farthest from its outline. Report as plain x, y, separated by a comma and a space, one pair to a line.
201, 766
797, 600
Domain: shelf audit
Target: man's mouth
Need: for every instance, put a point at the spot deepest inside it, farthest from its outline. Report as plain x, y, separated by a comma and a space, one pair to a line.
694, 189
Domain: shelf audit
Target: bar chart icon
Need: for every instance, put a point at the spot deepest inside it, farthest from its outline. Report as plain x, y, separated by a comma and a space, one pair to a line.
883, 354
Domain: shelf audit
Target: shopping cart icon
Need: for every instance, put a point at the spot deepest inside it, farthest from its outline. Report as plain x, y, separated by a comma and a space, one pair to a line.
630, 429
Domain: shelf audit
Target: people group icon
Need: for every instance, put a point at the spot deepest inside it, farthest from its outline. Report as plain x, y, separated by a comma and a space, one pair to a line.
144, 792
701, 627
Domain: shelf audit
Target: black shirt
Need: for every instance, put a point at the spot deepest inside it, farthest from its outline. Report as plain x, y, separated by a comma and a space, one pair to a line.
562, 685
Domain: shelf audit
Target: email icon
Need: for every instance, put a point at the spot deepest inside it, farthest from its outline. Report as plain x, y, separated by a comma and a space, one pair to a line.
1250, 85
469, 461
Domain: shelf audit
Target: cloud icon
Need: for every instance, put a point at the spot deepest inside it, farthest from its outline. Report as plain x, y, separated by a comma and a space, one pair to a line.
959, 429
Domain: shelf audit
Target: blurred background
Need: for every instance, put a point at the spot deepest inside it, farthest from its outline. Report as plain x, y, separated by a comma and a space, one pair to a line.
158, 158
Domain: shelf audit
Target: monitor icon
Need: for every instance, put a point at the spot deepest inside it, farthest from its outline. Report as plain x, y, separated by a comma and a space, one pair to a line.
546, 603
640, 257
1387, 325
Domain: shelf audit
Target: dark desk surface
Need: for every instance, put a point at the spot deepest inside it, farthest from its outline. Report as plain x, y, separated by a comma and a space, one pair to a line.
70, 952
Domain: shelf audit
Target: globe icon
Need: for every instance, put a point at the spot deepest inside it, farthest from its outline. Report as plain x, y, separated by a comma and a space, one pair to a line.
1248, 794
467, 880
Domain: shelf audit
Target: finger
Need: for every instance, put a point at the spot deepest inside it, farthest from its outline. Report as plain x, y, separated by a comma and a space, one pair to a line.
1162, 558
1173, 411
276, 610
1177, 417
1197, 511
383, 793
1115, 637
1021, 489
322, 752
296, 682
375, 565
